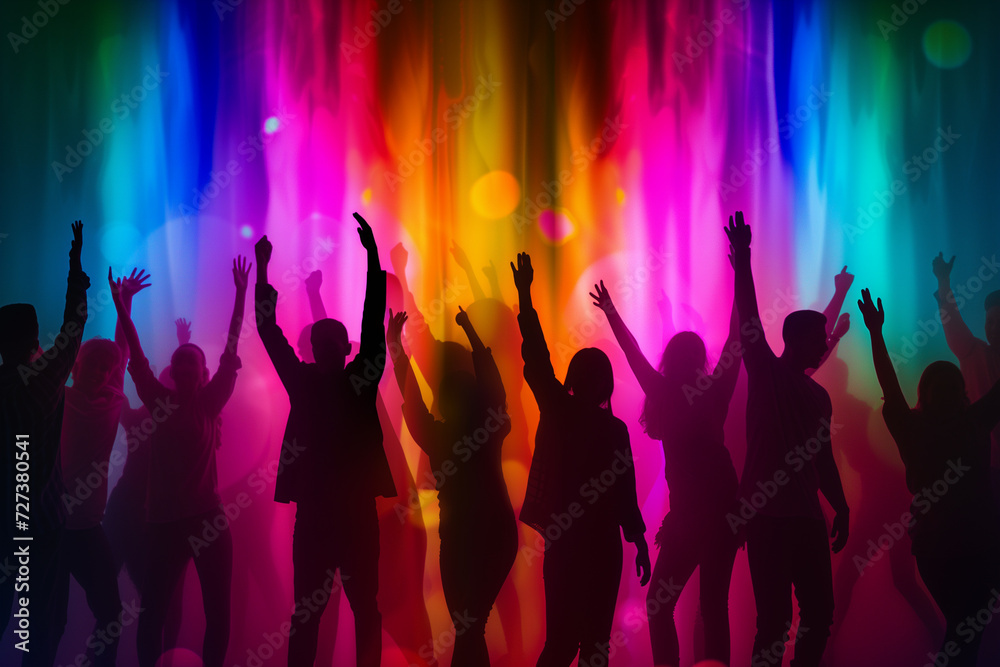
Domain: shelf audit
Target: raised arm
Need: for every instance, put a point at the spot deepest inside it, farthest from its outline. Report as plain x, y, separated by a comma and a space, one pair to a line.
466, 265
666, 311
183, 330
839, 331
487, 374
841, 286
220, 388
538, 371
648, 377
265, 310
146, 384
130, 286
125, 319
490, 271
726, 375
372, 330
874, 319
751, 330
418, 418
316, 307
241, 277
960, 338
62, 355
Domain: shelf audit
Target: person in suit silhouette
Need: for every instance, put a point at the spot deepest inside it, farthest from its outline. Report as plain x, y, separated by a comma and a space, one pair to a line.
332, 464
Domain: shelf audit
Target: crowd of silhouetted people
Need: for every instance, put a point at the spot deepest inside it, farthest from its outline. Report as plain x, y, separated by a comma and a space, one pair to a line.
340, 461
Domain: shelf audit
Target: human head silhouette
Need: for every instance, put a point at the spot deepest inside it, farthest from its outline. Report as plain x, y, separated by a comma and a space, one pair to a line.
993, 318
941, 390
330, 345
590, 377
188, 368
683, 357
95, 363
804, 333
18, 332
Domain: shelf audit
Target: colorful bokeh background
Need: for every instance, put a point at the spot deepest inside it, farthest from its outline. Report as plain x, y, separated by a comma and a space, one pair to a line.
609, 140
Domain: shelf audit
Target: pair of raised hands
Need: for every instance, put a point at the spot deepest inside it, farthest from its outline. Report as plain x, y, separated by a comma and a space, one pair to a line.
127, 286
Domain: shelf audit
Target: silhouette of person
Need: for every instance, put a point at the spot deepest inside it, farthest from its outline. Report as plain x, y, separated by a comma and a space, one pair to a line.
32, 396
688, 418
876, 500
478, 530
837, 323
124, 522
401, 532
182, 492
581, 488
332, 464
90, 425
789, 458
979, 359
945, 446
499, 324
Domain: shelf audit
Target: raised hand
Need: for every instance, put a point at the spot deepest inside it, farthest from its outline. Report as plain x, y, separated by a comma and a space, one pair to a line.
523, 273
602, 299
738, 233
462, 318
843, 325
366, 234
134, 283
241, 272
115, 285
460, 257
77, 245
398, 256
941, 268
843, 280
262, 250
183, 330
874, 316
394, 331
490, 271
314, 280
